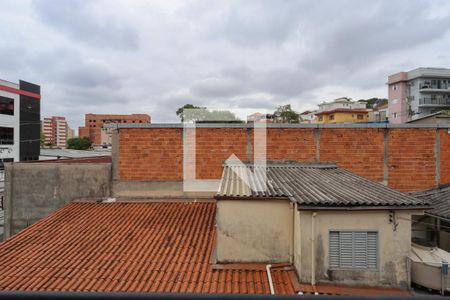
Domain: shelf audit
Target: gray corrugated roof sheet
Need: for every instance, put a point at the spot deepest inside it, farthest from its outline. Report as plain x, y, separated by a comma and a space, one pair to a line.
321, 185
439, 200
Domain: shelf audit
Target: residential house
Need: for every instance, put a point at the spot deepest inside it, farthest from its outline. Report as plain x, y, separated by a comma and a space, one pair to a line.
308, 116
342, 103
441, 117
379, 114
315, 217
342, 115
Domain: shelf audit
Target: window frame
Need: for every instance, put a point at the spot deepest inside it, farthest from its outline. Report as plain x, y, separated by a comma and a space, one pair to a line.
9, 99
366, 269
13, 137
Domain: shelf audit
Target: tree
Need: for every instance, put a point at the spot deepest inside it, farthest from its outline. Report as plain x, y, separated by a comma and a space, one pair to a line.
204, 115
180, 111
82, 143
285, 114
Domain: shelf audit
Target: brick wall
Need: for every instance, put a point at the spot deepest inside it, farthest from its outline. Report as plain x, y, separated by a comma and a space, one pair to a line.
412, 162
445, 155
151, 154
291, 144
360, 150
214, 145
409, 164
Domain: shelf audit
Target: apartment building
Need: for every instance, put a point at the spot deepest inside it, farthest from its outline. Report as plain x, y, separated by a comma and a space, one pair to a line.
418, 93
19, 121
55, 130
93, 127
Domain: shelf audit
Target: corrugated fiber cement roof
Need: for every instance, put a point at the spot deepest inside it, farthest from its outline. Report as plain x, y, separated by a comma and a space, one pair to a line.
317, 185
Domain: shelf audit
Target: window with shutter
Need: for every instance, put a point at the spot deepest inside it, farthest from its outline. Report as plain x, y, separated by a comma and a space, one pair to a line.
353, 249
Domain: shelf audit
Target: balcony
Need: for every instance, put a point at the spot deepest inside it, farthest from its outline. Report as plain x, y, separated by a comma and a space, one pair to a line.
433, 102
432, 88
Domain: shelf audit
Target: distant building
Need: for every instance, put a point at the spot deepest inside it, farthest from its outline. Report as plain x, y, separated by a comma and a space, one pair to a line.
441, 117
379, 114
260, 118
55, 130
344, 102
70, 133
342, 115
418, 93
94, 130
20, 115
308, 116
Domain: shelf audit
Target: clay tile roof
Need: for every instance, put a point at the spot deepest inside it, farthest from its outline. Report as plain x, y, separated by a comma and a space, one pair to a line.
128, 247
310, 185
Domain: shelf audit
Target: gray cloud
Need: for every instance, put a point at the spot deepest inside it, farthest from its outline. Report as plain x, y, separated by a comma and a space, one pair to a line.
77, 20
152, 57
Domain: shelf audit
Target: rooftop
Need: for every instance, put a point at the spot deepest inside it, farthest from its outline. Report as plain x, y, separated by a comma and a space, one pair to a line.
47, 153
343, 110
129, 247
439, 199
310, 185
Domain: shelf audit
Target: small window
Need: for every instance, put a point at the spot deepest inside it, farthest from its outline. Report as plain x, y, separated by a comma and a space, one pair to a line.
320, 118
353, 250
6, 106
394, 115
6, 136
331, 117
360, 117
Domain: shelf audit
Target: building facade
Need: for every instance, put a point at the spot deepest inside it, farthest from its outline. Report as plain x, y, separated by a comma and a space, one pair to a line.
339, 116
418, 93
308, 116
19, 121
380, 114
55, 130
93, 127
342, 103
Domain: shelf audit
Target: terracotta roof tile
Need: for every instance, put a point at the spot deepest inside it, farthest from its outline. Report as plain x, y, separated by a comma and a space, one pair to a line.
139, 247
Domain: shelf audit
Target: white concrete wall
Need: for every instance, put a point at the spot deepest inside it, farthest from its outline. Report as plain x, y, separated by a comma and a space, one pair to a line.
11, 151
394, 247
254, 230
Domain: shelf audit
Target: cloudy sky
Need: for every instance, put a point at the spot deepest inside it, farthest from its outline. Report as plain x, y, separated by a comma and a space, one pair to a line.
151, 57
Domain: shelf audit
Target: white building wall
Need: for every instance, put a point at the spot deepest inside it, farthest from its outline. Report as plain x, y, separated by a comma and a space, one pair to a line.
11, 151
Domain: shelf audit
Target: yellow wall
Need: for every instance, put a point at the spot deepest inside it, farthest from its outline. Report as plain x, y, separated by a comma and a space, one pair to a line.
342, 117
